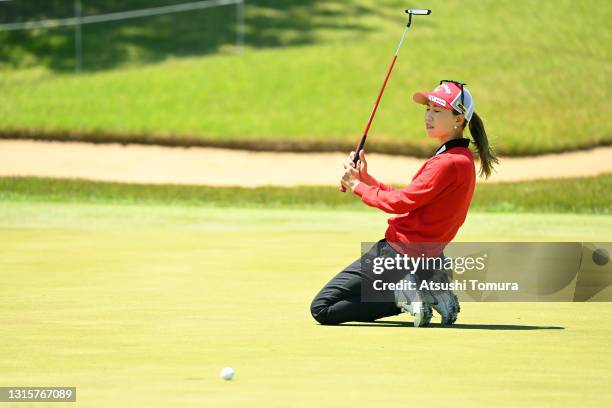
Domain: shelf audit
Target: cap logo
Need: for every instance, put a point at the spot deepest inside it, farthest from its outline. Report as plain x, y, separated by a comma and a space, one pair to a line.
446, 88
437, 100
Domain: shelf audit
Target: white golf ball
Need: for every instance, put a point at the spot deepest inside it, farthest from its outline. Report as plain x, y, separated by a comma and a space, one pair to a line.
227, 373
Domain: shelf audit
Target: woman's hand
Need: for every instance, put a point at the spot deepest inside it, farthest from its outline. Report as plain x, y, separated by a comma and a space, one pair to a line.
352, 174
362, 164
362, 168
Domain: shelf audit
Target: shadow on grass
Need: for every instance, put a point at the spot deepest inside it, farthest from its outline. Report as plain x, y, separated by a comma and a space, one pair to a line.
268, 23
392, 323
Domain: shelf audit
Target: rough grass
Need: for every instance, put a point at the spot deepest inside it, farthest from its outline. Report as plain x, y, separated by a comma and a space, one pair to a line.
310, 73
579, 195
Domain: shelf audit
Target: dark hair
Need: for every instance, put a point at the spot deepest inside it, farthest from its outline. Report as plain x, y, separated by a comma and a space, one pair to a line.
485, 152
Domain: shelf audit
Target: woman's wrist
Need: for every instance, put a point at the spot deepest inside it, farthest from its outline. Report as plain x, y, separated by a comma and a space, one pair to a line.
369, 180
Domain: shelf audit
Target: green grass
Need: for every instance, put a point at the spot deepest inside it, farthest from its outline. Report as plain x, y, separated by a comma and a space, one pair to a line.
311, 72
143, 305
578, 195
365, 227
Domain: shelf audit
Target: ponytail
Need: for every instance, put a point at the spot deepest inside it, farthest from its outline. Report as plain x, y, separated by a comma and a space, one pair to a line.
485, 152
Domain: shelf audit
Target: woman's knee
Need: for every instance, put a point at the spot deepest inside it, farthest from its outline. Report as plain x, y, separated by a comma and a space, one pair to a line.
319, 310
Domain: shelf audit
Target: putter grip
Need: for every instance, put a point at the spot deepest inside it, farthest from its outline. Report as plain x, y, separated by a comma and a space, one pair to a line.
355, 159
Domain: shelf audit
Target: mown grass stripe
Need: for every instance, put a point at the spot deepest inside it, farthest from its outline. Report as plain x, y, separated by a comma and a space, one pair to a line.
587, 195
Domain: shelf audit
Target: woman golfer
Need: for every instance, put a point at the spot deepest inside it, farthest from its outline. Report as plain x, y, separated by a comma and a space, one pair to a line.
428, 214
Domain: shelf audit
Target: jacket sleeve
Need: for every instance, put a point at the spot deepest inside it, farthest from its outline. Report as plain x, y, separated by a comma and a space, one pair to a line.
385, 187
436, 176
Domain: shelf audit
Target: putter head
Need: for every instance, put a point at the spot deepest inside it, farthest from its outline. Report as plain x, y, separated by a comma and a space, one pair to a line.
419, 12
416, 12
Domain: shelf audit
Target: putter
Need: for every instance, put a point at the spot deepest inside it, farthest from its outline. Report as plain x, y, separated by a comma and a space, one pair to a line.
361, 144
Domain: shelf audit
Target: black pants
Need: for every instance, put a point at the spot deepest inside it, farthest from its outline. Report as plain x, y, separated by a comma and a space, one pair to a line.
340, 300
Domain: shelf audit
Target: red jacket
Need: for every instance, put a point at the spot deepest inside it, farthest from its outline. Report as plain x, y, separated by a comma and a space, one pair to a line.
433, 207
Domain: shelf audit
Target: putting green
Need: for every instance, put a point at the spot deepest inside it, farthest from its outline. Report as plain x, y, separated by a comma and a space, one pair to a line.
143, 305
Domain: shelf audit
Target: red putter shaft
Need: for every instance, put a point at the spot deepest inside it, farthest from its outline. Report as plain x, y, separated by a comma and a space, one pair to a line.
367, 128
361, 143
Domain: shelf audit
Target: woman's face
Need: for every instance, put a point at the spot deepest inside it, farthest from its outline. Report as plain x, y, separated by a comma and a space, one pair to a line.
440, 123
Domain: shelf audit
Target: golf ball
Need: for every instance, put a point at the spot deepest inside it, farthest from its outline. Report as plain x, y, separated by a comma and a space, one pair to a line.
227, 373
